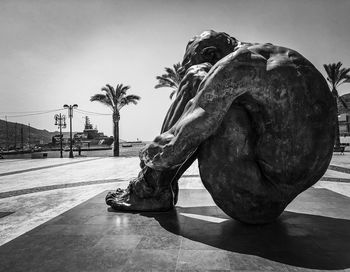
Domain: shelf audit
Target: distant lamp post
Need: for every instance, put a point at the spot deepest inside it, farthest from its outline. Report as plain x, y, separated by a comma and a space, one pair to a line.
29, 136
60, 121
70, 115
7, 135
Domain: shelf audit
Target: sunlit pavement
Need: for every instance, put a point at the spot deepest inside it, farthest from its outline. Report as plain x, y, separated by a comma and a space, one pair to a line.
35, 191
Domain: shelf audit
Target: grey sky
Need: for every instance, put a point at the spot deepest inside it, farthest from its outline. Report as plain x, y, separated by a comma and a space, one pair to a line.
62, 52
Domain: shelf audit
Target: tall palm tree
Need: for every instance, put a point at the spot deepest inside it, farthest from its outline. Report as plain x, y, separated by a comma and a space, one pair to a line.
337, 76
171, 79
115, 99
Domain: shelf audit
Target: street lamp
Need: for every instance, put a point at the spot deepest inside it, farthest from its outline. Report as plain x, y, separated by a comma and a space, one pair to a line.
70, 115
60, 121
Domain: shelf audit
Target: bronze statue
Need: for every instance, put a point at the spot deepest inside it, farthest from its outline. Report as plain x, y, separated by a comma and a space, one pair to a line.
259, 118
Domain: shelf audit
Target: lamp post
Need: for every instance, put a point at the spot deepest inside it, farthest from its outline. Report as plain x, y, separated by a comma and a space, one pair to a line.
60, 121
22, 145
70, 115
16, 136
7, 134
29, 136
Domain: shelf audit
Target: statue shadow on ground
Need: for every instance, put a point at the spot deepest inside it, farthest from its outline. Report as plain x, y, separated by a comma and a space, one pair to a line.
303, 240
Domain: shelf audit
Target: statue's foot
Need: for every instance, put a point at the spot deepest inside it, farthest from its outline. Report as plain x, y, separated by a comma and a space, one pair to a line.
127, 200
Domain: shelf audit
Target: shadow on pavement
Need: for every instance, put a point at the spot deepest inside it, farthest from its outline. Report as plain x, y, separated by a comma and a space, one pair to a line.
303, 240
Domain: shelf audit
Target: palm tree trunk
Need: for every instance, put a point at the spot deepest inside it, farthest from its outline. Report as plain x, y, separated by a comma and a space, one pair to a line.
116, 139
116, 134
337, 133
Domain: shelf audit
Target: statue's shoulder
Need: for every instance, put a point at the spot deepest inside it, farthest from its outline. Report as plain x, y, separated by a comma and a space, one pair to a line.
268, 53
266, 50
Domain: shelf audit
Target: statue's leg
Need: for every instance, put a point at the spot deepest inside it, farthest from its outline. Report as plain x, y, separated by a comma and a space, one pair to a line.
175, 149
262, 137
274, 142
229, 171
150, 183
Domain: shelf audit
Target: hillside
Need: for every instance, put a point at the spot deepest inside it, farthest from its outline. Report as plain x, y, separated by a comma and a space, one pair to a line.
36, 135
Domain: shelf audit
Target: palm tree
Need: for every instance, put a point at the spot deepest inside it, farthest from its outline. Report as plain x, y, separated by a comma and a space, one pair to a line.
171, 79
337, 76
115, 99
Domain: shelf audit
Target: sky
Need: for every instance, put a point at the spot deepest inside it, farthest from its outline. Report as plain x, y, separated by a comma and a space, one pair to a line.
62, 52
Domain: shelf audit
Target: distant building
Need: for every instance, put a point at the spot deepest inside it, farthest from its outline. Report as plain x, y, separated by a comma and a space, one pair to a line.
90, 135
65, 139
344, 124
344, 120
344, 116
56, 139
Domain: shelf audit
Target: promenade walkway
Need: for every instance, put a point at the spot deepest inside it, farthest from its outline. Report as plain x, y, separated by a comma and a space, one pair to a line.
33, 192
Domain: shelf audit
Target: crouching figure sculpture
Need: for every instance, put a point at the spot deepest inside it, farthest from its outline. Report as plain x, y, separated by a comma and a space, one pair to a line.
259, 118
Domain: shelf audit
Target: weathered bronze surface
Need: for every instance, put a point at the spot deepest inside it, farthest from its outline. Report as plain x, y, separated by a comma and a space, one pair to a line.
259, 118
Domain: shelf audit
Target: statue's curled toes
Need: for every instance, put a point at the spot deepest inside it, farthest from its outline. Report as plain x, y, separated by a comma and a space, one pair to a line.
259, 118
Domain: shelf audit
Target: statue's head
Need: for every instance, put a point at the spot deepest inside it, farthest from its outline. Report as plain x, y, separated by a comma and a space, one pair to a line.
210, 46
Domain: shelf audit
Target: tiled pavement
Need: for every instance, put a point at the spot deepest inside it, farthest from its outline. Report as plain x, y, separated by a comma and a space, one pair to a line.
197, 236
51, 189
35, 196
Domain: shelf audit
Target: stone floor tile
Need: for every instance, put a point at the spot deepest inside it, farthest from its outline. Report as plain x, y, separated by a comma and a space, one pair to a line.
188, 244
115, 242
201, 234
202, 270
246, 262
46, 253
303, 269
88, 259
151, 260
202, 259
118, 219
160, 242
191, 198
127, 230
83, 229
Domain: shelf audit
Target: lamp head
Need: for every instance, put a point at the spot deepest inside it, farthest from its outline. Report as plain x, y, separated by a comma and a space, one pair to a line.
65, 106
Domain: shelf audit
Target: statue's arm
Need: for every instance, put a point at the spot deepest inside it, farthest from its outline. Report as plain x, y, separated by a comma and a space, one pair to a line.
201, 118
187, 90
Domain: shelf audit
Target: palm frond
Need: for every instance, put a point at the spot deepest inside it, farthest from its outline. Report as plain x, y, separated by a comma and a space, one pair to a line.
171, 79
121, 91
165, 82
124, 89
110, 92
343, 75
327, 68
172, 94
342, 102
102, 99
170, 72
132, 98
118, 91
126, 100
115, 98
177, 67
336, 75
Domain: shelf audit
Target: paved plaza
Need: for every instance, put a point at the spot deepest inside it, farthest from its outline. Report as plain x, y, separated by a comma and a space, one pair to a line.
53, 218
